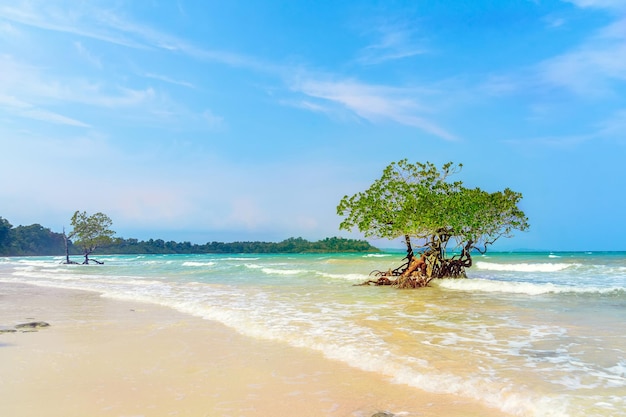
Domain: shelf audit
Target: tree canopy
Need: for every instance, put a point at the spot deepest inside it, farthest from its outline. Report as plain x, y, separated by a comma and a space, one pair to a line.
418, 201
91, 232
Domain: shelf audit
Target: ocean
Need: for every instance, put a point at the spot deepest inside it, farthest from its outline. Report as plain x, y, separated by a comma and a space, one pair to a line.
532, 334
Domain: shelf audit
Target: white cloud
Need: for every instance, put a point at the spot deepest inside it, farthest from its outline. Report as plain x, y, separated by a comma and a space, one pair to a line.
23, 109
105, 25
79, 19
87, 55
30, 92
169, 80
374, 103
593, 67
599, 4
614, 127
48, 116
212, 120
394, 41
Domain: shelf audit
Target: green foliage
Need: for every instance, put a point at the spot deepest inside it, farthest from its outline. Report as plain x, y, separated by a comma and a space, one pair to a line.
291, 245
5, 230
28, 240
36, 239
408, 199
91, 232
418, 201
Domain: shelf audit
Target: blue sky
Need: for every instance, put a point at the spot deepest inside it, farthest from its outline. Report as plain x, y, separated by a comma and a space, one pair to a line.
249, 120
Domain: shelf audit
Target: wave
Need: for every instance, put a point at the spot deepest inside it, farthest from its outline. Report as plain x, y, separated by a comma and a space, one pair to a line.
274, 271
195, 263
486, 285
239, 259
525, 267
347, 277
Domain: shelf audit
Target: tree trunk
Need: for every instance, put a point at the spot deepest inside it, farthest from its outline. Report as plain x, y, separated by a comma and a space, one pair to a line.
432, 264
67, 249
409, 248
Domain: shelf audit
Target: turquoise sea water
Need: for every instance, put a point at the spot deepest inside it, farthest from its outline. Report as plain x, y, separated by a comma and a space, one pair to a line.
533, 334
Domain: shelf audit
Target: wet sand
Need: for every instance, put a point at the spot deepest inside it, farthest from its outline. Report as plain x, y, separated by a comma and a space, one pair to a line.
104, 357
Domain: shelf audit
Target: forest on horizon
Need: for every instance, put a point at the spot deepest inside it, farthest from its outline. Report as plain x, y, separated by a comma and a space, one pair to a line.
37, 240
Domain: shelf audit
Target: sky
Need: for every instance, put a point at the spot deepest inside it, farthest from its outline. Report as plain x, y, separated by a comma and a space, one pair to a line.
249, 120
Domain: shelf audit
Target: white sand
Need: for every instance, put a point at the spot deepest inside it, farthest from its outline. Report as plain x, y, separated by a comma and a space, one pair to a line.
102, 357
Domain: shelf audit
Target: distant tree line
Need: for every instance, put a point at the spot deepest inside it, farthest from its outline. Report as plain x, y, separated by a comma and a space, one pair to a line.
291, 245
36, 240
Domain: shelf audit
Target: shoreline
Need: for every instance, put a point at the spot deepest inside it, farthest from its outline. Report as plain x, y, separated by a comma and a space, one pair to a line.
107, 357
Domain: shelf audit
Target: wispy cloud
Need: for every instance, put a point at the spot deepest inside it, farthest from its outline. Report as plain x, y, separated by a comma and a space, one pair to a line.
612, 128
169, 80
25, 80
374, 103
88, 55
393, 41
593, 67
213, 121
600, 4
79, 21
29, 91
107, 26
536, 144
23, 109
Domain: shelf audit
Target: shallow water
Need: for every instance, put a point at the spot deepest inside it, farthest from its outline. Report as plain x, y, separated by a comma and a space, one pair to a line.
533, 334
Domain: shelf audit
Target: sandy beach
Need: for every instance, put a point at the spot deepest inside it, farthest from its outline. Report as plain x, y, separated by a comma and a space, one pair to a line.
105, 357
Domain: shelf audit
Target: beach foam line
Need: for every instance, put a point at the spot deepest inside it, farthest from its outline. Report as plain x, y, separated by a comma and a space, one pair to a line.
525, 267
486, 285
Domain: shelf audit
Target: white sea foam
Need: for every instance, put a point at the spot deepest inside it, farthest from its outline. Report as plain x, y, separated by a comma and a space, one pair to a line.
193, 263
485, 285
275, 271
347, 277
619, 369
525, 267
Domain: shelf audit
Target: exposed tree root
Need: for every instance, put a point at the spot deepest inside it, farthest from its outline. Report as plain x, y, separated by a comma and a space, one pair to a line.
418, 272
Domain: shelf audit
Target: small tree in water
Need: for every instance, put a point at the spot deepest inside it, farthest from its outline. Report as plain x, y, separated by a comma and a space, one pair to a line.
91, 232
417, 201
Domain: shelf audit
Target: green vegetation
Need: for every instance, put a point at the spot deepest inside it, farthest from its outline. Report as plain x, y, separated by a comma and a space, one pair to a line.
91, 232
291, 245
417, 201
14, 241
28, 240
